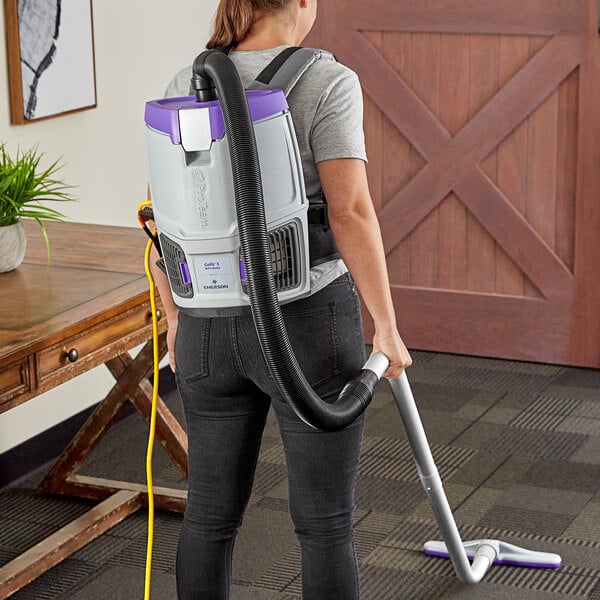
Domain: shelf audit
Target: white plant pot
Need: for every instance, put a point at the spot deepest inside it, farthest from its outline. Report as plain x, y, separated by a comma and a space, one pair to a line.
13, 244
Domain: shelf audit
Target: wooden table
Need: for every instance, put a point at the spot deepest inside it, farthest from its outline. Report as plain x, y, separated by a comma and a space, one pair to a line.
89, 307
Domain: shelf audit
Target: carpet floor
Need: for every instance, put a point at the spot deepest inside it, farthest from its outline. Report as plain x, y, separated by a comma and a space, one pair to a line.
518, 449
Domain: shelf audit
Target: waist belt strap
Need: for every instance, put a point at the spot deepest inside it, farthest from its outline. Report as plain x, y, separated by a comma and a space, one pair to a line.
321, 244
317, 214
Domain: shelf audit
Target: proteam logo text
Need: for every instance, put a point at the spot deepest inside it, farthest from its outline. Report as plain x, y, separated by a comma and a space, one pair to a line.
199, 185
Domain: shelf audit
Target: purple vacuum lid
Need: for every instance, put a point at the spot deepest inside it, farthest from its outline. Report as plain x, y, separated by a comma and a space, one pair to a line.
163, 115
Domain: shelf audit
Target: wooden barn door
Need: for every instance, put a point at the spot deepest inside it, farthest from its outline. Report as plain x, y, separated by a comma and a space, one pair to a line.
482, 122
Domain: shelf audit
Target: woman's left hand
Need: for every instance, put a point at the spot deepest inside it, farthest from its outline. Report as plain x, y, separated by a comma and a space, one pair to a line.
393, 347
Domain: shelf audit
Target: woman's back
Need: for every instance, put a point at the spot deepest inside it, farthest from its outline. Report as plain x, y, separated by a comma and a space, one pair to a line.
326, 106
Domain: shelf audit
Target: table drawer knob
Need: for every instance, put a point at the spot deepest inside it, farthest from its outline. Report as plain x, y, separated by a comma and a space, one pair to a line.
158, 314
72, 355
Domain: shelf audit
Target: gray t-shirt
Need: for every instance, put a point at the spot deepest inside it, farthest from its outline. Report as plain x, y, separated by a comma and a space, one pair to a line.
327, 110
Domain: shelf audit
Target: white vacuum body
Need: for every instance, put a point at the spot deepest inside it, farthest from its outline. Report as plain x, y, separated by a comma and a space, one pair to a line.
194, 206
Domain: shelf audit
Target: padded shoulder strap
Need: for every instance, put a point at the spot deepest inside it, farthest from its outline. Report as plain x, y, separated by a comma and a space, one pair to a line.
284, 71
271, 69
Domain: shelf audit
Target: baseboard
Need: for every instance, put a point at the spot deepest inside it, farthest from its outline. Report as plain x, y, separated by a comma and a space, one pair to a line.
28, 456
20, 461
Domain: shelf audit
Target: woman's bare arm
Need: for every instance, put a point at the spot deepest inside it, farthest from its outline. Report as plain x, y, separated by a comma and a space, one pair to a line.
171, 310
358, 238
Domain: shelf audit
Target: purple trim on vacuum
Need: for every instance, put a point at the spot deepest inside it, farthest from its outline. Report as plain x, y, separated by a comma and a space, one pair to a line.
184, 270
243, 276
266, 103
163, 115
161, 118
514, 563
217, 124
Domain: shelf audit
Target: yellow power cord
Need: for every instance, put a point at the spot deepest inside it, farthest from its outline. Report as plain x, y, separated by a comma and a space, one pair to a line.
152, 423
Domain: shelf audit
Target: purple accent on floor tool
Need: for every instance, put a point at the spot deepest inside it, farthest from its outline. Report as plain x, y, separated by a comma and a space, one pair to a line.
508, 554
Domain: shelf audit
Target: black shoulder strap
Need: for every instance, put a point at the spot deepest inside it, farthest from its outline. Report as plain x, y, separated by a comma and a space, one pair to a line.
267, 74
284, 71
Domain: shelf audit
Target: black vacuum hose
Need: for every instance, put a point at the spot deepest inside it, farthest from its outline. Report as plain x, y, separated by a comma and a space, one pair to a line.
217, 67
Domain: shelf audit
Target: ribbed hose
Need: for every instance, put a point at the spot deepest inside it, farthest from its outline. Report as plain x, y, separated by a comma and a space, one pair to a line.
252, 227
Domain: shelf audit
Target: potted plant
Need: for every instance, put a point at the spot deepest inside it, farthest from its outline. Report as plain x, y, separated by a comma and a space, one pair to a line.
24, 185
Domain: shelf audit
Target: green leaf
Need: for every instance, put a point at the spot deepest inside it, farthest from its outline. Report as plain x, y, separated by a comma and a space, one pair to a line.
25, 187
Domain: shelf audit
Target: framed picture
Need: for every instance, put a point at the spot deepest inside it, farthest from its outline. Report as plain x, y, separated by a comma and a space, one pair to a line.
50, 47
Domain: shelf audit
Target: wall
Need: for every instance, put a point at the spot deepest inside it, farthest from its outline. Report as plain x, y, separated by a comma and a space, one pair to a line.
138, 46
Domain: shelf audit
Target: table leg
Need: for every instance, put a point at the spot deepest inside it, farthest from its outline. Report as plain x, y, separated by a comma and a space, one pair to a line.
131, 385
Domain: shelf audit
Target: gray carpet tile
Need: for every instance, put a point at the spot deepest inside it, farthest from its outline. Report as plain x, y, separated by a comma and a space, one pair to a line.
491, 364
443, 430
124, 582
580, 425
517, 446
371, 530
522, 519
59, 581
512, 470
546, 500
388, 496
500, 414
169, 476
271, 503
571, 476
104, 549
283, 574
265, 538
269, 476
497, 381
441, 397
590, 409
8, 554
548, 445
18, 534
595, 593
588, 452
478, 468
581, 378
476, 505
55, 511
586, 525
543, 580
478, 435
387, 447
379, 583
584, 394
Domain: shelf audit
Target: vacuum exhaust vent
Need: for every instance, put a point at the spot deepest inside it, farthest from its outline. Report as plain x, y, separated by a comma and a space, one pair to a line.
283, 243
177, 267
285, 258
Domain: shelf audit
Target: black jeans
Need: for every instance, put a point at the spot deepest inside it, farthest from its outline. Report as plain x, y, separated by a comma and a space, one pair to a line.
226, 392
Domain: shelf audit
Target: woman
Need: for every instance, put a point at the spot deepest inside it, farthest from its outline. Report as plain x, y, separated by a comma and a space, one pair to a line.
221, 374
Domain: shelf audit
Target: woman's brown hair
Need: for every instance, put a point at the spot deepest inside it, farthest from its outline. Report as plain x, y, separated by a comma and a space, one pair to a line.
234, 19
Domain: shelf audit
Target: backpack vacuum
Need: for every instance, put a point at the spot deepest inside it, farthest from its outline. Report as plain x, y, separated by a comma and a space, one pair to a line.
231, 212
